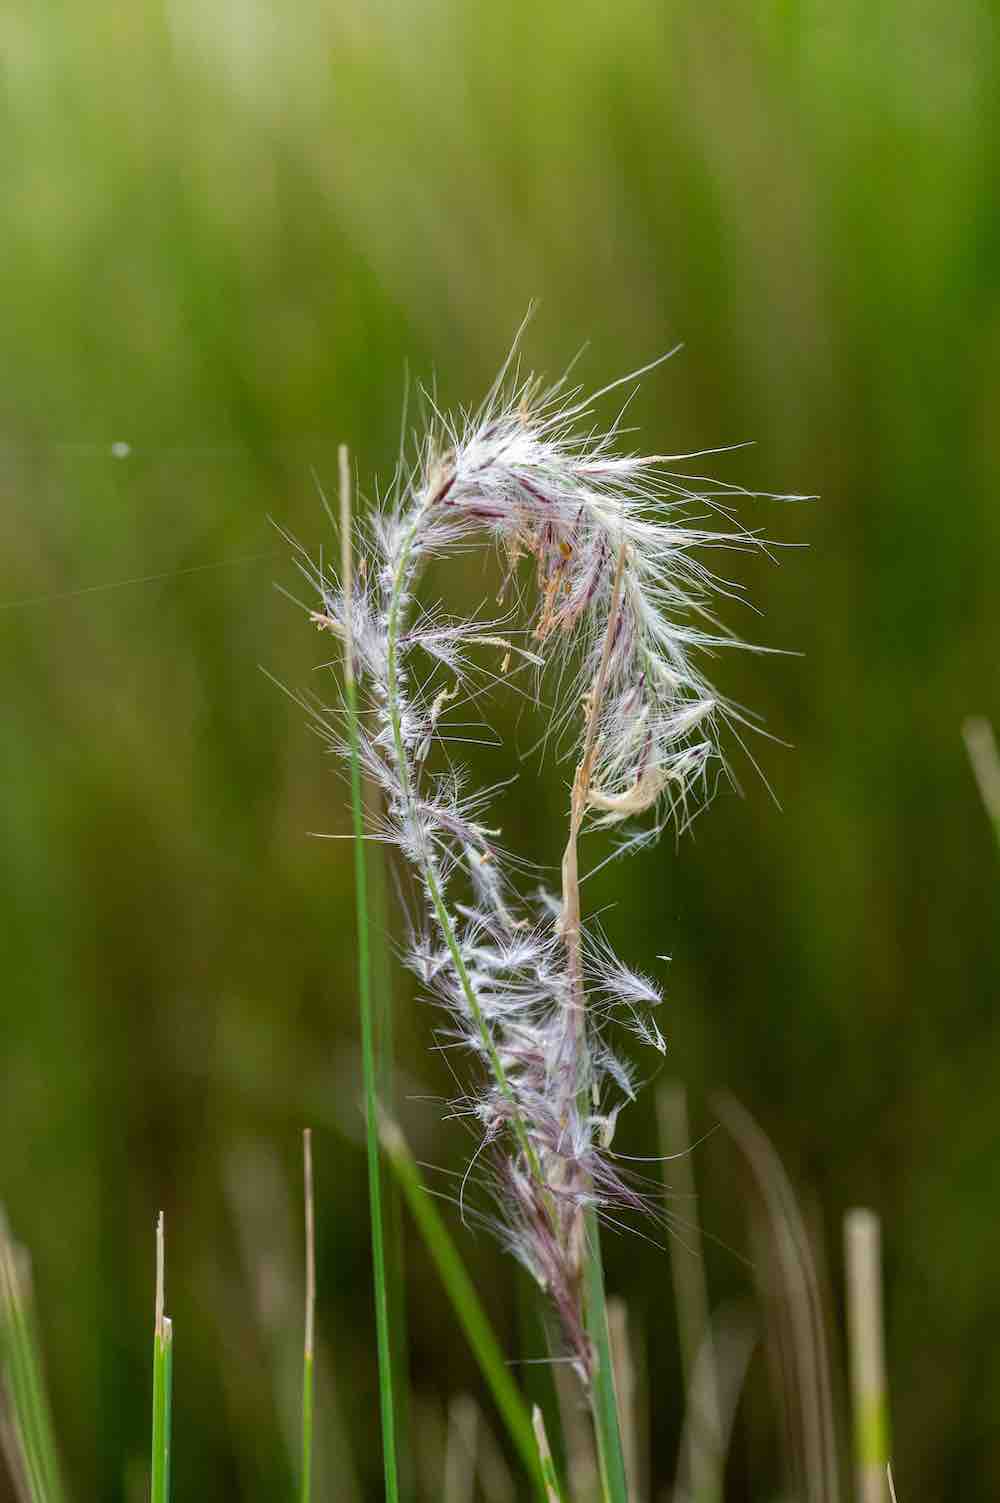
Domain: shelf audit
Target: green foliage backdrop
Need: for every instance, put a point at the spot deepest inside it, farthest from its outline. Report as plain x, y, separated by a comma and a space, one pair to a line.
226, 230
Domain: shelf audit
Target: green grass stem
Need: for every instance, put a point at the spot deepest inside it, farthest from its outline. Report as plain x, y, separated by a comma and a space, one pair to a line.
465, 1302
305, 1471
367, 1018
163, 1361
427, 868
395, 1268
603, 1396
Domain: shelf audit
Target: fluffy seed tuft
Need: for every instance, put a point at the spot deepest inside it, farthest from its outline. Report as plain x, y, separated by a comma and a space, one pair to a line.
623, 598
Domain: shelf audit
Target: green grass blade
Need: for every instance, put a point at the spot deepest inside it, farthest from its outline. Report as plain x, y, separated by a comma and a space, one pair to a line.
305, 1487
305, 1472
163, 1361
30, 1420
395, 1271
603, 1398
17, 1375
168, 1391
367, 1019
465, 1302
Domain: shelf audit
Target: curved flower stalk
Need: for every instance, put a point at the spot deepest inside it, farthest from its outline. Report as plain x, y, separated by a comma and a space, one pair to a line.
623, 597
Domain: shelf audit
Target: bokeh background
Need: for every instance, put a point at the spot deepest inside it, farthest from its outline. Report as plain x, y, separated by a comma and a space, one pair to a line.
228, 231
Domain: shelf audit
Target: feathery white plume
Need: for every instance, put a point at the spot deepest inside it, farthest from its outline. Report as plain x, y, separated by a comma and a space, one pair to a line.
616, 545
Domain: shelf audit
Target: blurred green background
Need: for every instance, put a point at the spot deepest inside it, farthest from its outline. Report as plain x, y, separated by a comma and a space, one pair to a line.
227, 230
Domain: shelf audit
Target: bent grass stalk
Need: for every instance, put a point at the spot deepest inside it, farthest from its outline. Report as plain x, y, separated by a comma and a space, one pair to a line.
603, 1398
602, 1389
811, 1389
602, 1392
386, 1405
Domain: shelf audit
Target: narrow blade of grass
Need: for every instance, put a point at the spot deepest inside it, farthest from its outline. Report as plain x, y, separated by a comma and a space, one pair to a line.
367, 1020
163, 1358
267, 1224
465, 1301
29, 1429
395, 1272
305, 1474
627, 1390
603, 1398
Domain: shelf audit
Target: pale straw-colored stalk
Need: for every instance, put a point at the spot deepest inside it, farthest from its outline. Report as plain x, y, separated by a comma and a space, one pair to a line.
545, 1456
866, 1346
981, 745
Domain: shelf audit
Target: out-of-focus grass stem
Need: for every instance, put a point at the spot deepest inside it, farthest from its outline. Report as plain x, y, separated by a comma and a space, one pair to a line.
798, 1285
981, 745
461, 1450
863, 1264
27, 1432
703, 1461
305, 1475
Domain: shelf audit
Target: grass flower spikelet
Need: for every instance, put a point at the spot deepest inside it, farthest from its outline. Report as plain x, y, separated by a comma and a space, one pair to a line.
623, 599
